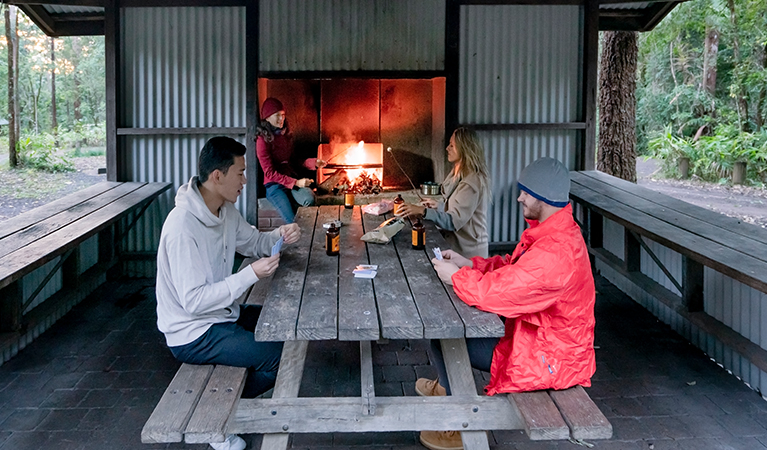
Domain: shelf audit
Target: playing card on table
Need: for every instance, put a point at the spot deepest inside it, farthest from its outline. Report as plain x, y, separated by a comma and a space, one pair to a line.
437, 253
277, 246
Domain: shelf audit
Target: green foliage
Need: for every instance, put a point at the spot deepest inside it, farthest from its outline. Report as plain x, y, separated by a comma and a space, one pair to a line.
670, 74
39, 152
712, 157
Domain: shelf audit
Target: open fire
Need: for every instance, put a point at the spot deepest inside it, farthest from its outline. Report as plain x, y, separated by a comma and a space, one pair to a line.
351, 167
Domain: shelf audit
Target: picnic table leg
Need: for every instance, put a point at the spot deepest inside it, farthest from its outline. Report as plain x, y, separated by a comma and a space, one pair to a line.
366, 379
286, 386
461, 381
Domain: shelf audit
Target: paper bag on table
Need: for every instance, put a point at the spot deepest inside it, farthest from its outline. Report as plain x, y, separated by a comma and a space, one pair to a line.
384, 232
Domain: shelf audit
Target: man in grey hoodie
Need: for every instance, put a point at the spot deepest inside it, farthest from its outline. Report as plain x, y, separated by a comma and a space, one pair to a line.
197, 292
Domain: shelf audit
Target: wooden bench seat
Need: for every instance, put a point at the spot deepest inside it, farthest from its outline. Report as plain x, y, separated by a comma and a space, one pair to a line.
53, 235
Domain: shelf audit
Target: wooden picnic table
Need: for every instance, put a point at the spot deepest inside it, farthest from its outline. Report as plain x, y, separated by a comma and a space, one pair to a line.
313, 296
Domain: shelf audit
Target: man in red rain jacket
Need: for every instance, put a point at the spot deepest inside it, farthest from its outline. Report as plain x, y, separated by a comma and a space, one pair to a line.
544, 290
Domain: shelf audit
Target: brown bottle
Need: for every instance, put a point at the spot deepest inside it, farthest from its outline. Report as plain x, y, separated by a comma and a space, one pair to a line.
418, 234
332, 240
349, 200
398, 203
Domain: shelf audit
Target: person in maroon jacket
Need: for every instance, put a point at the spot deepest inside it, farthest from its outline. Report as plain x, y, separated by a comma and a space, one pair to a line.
274, 147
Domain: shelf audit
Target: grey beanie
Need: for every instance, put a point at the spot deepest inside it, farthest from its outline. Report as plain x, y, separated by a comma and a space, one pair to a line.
548, 180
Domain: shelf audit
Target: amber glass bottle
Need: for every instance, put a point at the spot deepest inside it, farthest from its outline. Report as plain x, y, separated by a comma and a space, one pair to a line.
419, 234
398, 202
349, 200
332, 240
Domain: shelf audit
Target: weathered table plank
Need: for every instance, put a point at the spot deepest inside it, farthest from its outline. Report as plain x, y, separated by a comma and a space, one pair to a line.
730, 233
29, 218
60, 220
280, 314
169, 419
342, 414
583, 417
16, 264
730, 225
542, 420
396, 309
318, 318
741, 267
357, 316
477, 323
216, 405
461, 379
440, 320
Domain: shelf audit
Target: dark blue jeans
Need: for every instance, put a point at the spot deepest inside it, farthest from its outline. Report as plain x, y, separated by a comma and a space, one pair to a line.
480, 357
286, 201
233, 344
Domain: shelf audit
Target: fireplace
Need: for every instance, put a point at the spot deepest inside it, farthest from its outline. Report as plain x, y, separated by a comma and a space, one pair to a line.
351, 166
351, 123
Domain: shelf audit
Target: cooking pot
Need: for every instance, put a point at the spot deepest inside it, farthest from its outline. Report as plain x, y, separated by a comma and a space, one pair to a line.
430, 188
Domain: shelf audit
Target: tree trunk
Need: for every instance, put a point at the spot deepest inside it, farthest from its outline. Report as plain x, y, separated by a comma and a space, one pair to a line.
740, 91
76, 62
11, 38
54, 122
617, 105
711, 50
759, 119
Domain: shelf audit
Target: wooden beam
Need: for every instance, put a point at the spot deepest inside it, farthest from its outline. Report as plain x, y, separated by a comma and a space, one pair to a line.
452, 65
112, 57
41, 18
178, 130
364, 74
80, 28
586, 158
656, 13
527, 126
251, 109
95, 3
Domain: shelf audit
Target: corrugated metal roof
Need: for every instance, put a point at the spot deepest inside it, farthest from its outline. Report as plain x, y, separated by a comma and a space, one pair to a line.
633, 5
66, 9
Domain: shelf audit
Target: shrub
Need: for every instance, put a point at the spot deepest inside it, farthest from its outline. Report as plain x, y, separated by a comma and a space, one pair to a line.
40, 152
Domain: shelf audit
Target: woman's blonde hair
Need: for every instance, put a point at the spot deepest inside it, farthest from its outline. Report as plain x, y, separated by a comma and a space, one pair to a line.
471, 156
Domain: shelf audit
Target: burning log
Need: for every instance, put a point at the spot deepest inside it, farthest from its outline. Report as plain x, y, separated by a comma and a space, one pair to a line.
366, 184
338, 178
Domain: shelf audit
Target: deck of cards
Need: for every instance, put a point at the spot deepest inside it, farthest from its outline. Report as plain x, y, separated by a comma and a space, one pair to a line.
365, 271
277, 246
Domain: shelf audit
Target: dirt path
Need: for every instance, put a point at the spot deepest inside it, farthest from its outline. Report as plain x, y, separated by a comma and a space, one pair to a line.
745, 203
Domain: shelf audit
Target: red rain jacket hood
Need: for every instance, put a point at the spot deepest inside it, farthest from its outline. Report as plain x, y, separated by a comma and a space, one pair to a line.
545, 290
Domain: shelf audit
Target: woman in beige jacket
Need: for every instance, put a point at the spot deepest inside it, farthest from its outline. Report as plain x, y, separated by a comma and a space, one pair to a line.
462, 215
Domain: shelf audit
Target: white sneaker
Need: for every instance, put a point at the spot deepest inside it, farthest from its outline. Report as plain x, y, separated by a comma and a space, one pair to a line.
232, 442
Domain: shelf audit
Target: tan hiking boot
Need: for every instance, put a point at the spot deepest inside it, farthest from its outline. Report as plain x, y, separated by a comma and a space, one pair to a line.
441, 440
429, 388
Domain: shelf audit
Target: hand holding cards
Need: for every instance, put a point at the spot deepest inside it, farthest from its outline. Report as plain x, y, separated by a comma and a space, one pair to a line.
277, 246
437, 253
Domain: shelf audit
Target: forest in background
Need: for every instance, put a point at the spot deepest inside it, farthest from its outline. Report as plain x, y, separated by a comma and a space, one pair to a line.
61, 91
702, 89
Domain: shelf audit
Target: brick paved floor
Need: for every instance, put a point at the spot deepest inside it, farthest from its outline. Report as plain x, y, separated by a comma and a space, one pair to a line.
92, 380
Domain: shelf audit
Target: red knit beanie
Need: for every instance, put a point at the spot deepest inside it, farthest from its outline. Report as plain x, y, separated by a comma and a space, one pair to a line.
271, 105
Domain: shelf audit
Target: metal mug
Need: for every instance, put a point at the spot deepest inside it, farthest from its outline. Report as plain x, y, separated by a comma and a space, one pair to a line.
430, 188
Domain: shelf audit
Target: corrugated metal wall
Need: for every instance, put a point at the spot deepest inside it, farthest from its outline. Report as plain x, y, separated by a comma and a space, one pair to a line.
733, 303
519, 64
181, 67
507, 152
299, 35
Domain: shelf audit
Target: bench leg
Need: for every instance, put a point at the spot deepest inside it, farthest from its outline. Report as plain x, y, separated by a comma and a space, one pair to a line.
461, 381
10, 307
288, 382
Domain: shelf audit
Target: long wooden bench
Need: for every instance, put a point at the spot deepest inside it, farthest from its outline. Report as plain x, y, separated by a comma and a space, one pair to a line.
48, 241
703, 238
202, 404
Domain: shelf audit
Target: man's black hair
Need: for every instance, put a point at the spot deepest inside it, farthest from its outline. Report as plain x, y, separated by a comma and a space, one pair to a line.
218, 154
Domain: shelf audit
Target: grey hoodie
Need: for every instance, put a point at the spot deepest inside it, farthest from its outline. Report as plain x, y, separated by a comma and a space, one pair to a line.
195, 284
